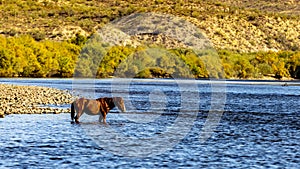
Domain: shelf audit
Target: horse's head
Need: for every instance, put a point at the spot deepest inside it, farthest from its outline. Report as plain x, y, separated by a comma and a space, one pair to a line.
119, 102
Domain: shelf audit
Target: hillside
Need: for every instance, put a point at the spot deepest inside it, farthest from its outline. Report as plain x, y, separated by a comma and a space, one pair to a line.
239, 25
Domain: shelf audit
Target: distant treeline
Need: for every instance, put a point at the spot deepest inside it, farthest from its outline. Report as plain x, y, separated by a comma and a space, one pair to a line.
259, 64
24, 57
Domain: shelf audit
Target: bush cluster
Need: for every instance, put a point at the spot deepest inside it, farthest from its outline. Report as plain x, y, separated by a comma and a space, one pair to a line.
23, 56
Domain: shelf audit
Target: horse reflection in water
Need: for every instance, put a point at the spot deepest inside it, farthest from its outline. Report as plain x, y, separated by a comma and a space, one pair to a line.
100, 106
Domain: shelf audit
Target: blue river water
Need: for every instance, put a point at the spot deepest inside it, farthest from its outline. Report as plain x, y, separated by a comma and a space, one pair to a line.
168, 124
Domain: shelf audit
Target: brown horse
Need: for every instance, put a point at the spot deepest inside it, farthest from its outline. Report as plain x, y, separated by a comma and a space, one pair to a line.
100, 106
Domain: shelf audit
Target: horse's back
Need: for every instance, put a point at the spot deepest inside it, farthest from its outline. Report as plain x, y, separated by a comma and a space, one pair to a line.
78, 103
92, 107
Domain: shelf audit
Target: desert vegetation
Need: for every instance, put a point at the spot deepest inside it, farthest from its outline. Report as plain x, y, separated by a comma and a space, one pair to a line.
46, 38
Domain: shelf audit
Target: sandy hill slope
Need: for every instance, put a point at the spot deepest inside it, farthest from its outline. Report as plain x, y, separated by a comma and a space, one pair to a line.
241, 25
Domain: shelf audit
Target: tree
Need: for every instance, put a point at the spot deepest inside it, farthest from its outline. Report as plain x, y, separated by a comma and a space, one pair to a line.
5, 63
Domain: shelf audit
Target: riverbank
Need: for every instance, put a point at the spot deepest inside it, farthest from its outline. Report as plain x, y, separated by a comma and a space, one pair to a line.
16, 99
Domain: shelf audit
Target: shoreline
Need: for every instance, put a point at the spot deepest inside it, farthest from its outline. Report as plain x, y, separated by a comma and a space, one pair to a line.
23, 81
265, 78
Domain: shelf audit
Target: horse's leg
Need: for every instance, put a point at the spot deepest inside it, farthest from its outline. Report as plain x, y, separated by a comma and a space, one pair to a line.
80, 104
104, 117
76, 119
78, 116
100, 117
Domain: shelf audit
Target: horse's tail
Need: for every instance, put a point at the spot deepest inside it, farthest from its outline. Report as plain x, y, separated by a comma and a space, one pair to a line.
72, 111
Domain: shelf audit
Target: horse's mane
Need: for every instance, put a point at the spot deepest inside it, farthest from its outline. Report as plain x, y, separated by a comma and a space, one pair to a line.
108, 100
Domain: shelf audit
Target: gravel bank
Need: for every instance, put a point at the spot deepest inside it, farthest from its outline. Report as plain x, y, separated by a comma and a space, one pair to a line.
15, 99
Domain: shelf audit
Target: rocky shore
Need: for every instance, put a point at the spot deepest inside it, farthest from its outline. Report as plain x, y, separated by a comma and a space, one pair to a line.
15, 99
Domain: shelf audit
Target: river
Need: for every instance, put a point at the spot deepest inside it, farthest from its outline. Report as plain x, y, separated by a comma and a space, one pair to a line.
168, 124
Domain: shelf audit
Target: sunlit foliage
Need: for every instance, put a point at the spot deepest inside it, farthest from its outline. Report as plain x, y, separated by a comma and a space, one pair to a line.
23, 56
